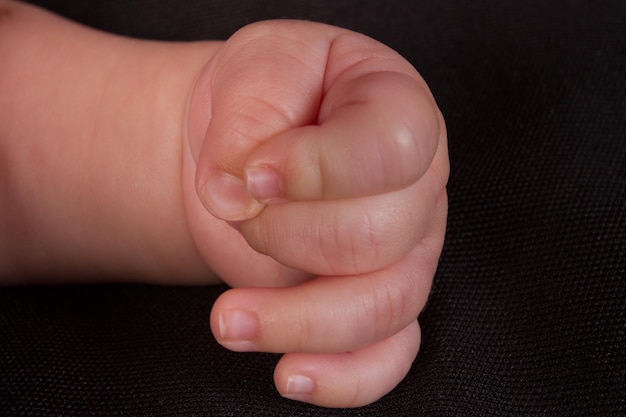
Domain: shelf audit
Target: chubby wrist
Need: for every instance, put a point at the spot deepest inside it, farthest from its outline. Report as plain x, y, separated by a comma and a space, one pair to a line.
90, 145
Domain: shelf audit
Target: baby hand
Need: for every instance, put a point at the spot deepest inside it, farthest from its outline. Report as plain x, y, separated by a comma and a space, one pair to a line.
327, 153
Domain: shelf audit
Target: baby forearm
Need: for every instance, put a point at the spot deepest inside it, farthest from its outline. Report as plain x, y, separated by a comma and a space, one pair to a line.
90, 130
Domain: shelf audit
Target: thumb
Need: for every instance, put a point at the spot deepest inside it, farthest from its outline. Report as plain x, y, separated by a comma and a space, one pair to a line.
265, 80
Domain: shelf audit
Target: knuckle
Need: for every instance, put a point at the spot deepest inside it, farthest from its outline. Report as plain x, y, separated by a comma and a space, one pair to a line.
306, 336
332, 241
398, 298
356, 244
391, 306
386, 233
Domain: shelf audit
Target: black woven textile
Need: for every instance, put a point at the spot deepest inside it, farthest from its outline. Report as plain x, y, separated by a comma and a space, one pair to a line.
528, 312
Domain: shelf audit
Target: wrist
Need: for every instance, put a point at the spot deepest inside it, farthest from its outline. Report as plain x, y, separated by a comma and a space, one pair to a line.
91, 139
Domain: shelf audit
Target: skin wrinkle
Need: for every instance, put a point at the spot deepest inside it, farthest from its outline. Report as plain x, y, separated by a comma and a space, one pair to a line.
351, 245
358, 245
430, 243
337, 237
407, 297
384, 310
280, 116
274, 110
265, 229
305, 329
300, 62
328, 105
322, 164
243, 131
272, 31
403, 234
358, 389
354, 67
371, 236
324, 86
329, 82
316, 91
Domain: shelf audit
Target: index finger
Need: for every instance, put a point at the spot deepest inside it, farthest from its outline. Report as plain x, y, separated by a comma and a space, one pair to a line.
377, 133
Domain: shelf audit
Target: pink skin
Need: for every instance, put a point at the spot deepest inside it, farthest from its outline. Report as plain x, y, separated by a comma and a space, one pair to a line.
313, 165
335, 164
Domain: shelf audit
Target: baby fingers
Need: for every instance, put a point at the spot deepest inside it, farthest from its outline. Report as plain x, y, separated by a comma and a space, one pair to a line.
326, 315
348, 379
349, 236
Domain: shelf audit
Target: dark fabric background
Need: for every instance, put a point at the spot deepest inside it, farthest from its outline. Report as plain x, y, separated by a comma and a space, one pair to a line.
528, 312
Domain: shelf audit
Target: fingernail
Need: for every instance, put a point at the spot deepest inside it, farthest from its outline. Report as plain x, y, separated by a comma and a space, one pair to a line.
227, 198
264, 185
299, 387
238, 329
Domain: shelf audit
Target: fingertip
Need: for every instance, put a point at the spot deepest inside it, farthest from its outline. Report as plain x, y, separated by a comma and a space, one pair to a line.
226, 197
287, 167
348, 379
265, 185
297, 387
234, 323
237, 329
295, 376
